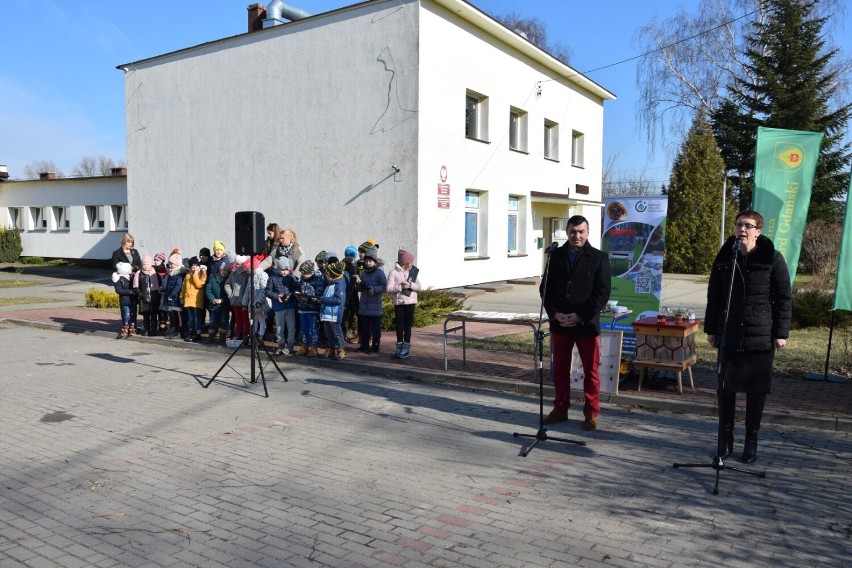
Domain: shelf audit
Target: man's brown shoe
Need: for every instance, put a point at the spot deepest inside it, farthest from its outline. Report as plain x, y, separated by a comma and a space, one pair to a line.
556, 416
590, 423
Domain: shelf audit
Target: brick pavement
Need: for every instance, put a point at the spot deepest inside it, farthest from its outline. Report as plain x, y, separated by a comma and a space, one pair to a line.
793, 400
114, 455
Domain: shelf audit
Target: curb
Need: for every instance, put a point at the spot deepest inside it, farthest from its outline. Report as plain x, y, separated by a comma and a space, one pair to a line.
475, 382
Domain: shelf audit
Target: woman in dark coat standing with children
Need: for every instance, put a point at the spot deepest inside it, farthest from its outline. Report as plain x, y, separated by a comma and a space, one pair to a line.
126, 253
758, 324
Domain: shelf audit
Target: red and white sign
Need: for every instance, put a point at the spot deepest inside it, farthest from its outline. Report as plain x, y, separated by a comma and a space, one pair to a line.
443, 202
443, 174
443, 189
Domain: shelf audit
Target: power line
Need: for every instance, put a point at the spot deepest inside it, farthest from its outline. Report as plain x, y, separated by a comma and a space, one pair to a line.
699, 34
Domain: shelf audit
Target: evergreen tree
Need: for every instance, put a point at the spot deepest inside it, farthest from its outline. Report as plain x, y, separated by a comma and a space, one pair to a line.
793, 86
695, 205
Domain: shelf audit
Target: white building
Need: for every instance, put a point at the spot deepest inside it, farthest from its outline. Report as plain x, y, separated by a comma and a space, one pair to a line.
82, 218
422, 124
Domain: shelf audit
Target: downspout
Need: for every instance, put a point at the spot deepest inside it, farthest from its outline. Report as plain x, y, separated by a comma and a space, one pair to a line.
278, 11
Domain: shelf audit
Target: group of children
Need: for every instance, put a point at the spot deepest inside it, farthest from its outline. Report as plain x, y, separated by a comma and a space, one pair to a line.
322, 303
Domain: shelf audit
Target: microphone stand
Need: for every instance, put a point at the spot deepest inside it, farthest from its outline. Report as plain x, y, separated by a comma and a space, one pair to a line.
717, 463
255, 341
541, 434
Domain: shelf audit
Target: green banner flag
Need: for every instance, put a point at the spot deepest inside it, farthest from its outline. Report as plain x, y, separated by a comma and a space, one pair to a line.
843, 287
784, 166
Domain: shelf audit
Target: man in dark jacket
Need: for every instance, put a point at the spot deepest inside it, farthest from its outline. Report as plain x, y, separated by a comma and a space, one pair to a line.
574, 291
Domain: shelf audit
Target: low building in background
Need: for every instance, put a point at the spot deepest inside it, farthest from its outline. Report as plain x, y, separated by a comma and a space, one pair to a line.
74, 218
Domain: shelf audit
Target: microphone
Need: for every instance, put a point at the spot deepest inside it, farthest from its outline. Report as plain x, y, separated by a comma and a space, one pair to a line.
737, 244
553, 246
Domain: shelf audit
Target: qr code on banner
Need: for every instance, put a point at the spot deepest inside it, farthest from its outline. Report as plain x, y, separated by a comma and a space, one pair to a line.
644, 286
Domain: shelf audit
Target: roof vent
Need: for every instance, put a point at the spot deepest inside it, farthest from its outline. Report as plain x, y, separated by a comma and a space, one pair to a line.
277, 11
47, 175
120, 171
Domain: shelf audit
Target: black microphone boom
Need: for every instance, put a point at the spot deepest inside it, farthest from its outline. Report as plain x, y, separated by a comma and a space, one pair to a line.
553, 246
737, 244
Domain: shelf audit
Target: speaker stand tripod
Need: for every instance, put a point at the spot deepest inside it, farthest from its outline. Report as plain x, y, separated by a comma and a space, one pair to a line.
254, 340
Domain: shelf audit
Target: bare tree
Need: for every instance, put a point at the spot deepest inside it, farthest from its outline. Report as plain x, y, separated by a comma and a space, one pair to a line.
624, 186
33, 170
535, 31
820, 251
692, 62
90, 166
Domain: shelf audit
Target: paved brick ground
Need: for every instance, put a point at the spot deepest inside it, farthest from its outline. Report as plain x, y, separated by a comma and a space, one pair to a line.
114, 455
814, 403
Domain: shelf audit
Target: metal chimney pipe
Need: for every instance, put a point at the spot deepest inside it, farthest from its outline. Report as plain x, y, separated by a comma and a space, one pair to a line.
277, 11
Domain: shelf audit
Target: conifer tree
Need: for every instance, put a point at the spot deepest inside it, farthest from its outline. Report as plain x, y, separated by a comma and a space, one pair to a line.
695, 203
790, 84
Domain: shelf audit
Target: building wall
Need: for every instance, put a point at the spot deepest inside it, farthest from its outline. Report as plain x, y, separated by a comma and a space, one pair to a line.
308, 122
457, 57
302, 122
51, 237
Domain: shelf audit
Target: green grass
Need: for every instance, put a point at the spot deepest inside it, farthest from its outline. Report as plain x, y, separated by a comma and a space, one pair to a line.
26, 300
805, 351
16, 283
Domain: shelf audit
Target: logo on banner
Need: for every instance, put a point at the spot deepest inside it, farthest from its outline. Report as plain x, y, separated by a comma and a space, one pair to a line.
641, 206
789, 157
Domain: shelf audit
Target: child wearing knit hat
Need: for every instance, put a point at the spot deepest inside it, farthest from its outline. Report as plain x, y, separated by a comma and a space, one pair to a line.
350, 313
280, 289
171, 302
126, 298
371, 284
147, 283
331, 309
403, 287
311, 288
161, 270
235, 285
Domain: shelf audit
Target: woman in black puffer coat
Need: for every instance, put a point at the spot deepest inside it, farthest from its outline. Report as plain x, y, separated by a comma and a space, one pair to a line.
758, 325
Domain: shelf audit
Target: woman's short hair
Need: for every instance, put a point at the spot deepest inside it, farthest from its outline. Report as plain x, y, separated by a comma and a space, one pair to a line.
752, 214
127, 238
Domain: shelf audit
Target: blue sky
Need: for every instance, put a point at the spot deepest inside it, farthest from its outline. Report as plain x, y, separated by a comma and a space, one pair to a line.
61, 96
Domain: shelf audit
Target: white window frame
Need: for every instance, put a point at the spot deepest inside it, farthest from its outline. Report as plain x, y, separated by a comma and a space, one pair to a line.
551, 140
513, 205
475, 207
16, 218
118, 217
94, 218
38, 218
476, 116
578, 142
61, 218
517, 130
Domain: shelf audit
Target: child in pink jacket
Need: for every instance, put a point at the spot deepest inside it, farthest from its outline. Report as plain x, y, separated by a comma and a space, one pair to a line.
403, 286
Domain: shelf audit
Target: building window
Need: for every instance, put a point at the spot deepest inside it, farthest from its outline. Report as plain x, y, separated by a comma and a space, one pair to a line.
39, 219
94, 220
16, 218
577, 142
119, 217
474, 223
514, 203
551, 140
476, 116
61, 221
517, 130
